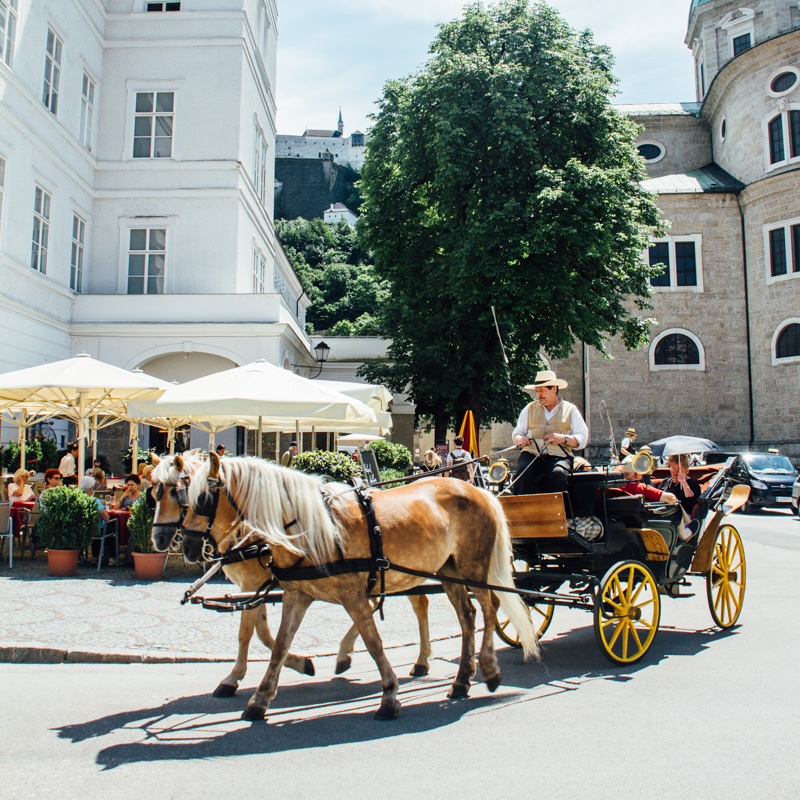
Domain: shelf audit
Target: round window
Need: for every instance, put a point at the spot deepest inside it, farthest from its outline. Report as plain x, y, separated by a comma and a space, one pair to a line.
723, 129
783, 82
650, 152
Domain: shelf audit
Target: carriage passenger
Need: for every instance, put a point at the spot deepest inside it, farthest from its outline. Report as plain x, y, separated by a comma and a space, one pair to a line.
685, 488
652, 495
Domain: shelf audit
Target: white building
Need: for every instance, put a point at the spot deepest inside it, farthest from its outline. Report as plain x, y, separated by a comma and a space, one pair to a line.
347, 150
137, 145
337, 213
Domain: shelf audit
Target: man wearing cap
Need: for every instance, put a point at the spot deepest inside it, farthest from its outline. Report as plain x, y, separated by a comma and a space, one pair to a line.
288, 456
548, 430
626, 445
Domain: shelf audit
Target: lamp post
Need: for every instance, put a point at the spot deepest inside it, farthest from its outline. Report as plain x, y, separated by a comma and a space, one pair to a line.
322, 352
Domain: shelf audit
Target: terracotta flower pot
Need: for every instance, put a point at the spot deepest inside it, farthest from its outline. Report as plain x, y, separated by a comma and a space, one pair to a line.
62, 563
149, 566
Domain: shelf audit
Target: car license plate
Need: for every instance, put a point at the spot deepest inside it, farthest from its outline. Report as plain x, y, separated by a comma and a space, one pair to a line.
783, 499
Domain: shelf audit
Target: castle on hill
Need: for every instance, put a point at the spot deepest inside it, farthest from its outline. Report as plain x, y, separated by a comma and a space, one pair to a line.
347, 151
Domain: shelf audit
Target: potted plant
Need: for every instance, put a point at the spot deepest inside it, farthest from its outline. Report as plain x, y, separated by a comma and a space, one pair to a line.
148, 563
69, 519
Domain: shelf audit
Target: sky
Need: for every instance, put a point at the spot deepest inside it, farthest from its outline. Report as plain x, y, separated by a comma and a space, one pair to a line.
334, 53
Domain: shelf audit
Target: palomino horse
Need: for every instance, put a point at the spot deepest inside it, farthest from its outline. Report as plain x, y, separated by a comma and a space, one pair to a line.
249, 576
441, 526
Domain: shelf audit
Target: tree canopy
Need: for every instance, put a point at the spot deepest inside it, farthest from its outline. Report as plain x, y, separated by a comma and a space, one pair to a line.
336, 273
500, 175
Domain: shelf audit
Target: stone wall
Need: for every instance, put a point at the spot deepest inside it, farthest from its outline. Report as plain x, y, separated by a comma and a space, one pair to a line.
309, 186
686, 143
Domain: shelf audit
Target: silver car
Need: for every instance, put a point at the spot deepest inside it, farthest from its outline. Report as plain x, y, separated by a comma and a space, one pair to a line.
796, 497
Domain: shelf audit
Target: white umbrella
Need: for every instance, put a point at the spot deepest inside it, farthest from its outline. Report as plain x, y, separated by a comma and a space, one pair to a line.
372, 394
78, 389
258, 395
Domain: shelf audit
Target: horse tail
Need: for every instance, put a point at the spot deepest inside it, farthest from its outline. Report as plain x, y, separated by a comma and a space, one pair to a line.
500, 573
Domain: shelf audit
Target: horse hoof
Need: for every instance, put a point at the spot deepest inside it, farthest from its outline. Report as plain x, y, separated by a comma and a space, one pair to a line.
458, 692
254, 713
419, 670
308, 669
343, 666
223, 690
493, 683
384, 713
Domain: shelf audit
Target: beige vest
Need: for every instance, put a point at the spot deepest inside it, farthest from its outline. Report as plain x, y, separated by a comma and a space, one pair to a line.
539, 427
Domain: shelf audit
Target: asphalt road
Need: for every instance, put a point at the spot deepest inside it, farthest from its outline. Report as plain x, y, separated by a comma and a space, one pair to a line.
706, 714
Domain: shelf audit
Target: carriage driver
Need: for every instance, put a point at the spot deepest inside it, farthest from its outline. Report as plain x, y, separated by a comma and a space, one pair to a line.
550, 425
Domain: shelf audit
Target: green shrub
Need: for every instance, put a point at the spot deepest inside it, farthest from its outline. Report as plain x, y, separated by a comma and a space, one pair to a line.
390, 474
142, 457
391, 455
338, 466
33, 455
140, 526
69, 518
49, 459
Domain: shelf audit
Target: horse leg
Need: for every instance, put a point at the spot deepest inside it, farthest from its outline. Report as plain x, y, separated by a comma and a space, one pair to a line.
360, 611
302, 664
295, 606
346, 647
487, 658
229, 684
466, 616
419, 603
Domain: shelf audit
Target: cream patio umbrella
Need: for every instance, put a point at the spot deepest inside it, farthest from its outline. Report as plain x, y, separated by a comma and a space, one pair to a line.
77, 389
260, 396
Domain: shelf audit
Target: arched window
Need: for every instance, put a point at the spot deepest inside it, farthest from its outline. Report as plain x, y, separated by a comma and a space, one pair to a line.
788, 343
676, 349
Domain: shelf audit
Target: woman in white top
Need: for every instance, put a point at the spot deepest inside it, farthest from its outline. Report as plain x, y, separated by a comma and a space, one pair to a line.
21, 492
67, 466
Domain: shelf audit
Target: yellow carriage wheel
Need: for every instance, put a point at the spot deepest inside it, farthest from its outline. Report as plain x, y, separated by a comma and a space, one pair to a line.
726, 579
541, 615
627, 611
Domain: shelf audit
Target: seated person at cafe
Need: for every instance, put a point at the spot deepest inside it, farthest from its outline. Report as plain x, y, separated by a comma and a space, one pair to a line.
99, 479
145, 478
130, 493
685, 488
635, 485
87, 486
19, 491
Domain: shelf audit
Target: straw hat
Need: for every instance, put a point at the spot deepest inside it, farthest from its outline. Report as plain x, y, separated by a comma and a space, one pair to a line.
630, 432
546, 378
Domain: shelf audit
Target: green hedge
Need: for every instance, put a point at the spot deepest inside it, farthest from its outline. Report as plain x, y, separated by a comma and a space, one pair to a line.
69, 518
338, 466
391, 455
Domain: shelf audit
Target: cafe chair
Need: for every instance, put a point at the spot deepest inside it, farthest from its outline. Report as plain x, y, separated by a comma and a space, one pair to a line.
107, 530
27, 533
6, 532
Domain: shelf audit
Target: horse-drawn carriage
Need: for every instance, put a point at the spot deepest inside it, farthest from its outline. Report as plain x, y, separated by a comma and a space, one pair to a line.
344, 545
640, 558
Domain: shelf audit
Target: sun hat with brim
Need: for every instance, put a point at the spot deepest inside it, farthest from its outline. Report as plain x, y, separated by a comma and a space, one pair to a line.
546, 378
630, 432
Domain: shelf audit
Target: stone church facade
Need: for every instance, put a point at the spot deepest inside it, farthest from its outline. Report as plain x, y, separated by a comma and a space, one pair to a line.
724, 356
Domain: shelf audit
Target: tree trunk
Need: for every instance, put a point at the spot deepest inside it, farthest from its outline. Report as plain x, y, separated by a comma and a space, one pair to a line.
441, 422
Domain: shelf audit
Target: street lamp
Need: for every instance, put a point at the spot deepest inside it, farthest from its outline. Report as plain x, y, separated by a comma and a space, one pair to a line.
322, 352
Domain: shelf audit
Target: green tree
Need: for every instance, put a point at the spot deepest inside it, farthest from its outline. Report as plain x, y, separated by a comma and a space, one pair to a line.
500, 175
336, 273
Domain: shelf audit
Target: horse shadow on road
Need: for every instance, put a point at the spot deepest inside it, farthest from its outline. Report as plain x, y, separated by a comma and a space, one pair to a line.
338, 710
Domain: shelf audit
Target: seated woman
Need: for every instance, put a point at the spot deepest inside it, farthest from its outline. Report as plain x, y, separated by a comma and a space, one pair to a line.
99, 479
130, 494
653, 495
87, 486
145, 481
685, 488
430, 461
20, 492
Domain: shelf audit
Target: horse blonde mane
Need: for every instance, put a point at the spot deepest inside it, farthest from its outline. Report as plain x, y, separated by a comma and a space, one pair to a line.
269, 497
166, 472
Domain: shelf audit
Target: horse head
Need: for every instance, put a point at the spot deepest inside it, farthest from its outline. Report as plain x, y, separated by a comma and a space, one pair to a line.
170, 480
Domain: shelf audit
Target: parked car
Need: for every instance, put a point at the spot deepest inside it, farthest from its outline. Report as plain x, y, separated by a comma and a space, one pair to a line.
771, 477
796, 497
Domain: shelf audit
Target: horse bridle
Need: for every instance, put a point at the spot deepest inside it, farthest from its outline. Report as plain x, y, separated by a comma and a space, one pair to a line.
206, 506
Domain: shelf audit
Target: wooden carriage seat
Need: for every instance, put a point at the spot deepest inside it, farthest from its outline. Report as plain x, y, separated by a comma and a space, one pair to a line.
536, 516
